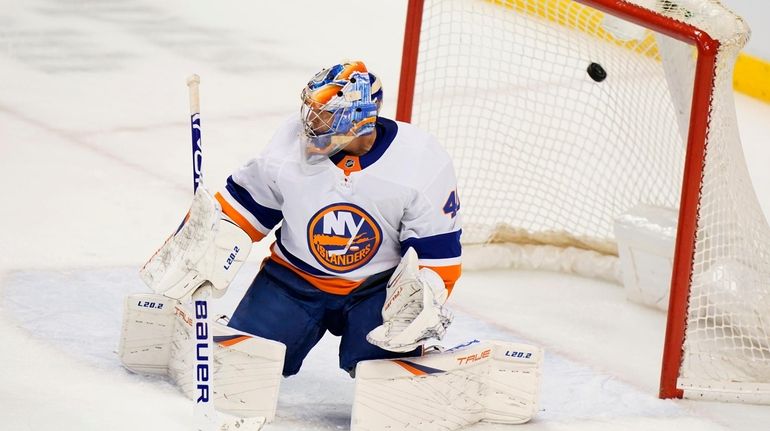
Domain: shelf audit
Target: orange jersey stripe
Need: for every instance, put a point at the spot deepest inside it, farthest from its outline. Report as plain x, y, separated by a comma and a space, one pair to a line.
239, 219
449, 274
336, 286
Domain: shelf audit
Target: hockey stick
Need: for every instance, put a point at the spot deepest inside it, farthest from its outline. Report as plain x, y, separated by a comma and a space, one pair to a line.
205, 415
195, 130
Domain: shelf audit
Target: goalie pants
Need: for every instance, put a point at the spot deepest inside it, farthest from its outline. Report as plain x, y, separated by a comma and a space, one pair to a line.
282, 306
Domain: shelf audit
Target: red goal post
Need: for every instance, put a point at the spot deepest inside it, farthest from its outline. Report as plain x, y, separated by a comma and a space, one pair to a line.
704, 89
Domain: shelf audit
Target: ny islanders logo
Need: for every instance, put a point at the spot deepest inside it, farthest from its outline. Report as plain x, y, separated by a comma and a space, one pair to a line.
343, 237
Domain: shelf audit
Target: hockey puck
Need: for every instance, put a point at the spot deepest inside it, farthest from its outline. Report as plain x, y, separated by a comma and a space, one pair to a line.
596, 72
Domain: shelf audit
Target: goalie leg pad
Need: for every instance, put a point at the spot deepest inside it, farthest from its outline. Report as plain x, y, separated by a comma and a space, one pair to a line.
247, 369
158, 338
490, 381
147, 333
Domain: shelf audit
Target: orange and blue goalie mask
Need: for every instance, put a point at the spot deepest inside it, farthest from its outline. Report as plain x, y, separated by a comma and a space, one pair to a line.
338, 105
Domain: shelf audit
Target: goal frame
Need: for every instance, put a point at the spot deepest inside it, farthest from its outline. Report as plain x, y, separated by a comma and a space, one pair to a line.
703, 90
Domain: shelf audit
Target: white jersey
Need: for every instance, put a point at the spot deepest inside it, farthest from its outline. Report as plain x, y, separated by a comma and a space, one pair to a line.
349, 217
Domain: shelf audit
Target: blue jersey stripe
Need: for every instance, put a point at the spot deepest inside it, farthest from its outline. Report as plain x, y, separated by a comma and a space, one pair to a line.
442, 246
268, 217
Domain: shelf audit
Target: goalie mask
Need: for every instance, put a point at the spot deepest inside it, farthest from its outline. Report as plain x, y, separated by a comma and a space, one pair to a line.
338, 105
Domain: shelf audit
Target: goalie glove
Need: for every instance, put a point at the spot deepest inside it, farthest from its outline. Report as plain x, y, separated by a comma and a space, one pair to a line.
209, 247
413, 310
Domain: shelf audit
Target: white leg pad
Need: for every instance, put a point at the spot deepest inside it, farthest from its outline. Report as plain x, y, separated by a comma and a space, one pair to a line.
148, 329
247, 369
157, 338
491, 381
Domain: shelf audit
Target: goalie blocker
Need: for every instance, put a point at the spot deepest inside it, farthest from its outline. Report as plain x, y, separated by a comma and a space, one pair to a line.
491, 381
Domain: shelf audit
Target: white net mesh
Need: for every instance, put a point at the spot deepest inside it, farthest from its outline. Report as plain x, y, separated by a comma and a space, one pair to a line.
550, 153
539, 145
728, 323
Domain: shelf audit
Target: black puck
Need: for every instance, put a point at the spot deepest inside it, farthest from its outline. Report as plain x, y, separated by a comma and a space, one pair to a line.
596, 72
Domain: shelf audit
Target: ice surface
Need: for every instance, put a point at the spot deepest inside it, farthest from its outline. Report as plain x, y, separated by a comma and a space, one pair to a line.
94, 158
79, 320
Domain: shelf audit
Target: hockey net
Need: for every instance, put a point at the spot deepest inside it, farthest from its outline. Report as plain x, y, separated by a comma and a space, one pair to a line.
548, 155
